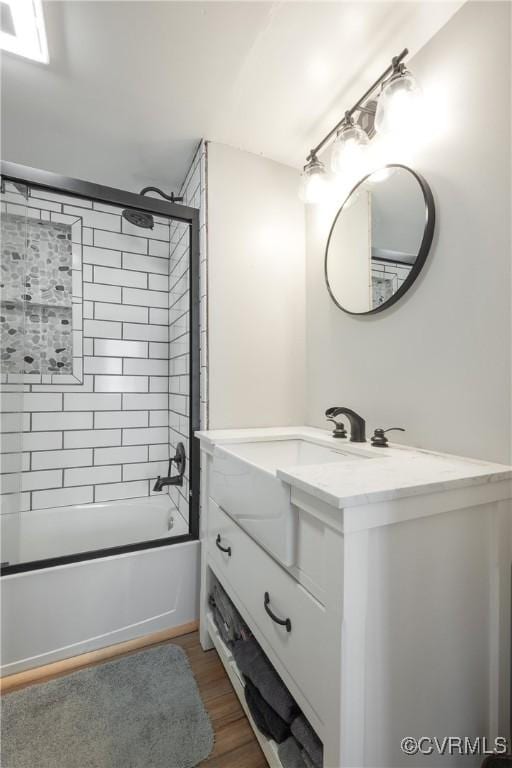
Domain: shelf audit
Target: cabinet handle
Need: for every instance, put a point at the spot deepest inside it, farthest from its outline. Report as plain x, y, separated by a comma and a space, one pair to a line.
219, 546
282, 622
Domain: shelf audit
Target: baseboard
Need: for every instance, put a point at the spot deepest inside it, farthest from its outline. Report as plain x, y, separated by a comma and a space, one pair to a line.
28, 676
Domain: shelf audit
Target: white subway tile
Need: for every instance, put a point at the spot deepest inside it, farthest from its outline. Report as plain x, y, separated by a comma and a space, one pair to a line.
92, 402
121, 242
155, 401
62, 420
60, 459
58, 197
62, 497
87, 236
145, 332
15, 502
145, 367
101, 256
145, 436
158, 282
14, 422
121, 384
148, 470
113, 419
45, 479
98, 292
87, 273
10, 442
112, 365
120, 277
158, 418
102, 329
159, 316
87, 345
12, 401
92, 438
91, 475
145, 298
159, 248
159, 384
123, 312
113, 491
88, 310
42, 441
120, 348
146, 264
14, 462
157, 349
159, 452
124, 455
96, 219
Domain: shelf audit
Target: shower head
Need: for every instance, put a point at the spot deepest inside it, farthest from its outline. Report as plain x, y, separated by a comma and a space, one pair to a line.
139, 218
145, 220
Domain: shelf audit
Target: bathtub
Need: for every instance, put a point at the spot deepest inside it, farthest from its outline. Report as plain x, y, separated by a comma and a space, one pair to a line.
56, 612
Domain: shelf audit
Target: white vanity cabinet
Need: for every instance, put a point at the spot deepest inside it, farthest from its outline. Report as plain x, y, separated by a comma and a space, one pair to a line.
396, 585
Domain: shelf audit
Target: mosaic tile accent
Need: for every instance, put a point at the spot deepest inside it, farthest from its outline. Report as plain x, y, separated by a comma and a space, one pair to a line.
36, 290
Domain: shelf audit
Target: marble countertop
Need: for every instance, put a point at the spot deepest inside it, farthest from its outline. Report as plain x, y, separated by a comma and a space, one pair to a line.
382, 474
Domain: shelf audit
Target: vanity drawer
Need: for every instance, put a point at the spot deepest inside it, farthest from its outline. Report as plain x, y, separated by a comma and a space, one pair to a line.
267, 594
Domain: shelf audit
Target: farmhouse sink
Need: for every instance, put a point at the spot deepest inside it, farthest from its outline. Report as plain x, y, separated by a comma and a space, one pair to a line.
244, 484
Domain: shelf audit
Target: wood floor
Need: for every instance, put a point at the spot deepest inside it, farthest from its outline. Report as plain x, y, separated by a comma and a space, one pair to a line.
235, 743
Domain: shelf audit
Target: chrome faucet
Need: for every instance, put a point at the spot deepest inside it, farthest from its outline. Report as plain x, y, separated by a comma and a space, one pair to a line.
357, 423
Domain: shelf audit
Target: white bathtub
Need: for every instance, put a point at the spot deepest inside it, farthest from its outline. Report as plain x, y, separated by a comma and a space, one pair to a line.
47, 533
61, 611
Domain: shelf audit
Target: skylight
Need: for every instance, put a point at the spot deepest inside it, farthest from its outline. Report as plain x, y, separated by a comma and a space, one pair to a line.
22, 29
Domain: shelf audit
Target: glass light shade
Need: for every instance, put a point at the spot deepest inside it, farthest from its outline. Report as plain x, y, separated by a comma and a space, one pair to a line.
399, 105
349, 149
313, 185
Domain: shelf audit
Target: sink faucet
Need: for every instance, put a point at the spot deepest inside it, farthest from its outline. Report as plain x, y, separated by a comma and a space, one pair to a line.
357, 423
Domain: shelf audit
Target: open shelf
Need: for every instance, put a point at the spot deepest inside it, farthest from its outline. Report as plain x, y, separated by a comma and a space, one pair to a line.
268, 747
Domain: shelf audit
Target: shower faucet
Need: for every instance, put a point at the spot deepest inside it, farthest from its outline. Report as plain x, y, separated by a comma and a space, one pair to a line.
180, 460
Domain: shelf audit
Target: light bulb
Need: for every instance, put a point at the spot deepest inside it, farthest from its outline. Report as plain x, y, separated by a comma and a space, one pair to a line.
348, 152
313, 186
399, 105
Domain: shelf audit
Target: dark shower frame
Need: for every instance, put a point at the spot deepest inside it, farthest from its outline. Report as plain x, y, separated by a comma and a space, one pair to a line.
177, 212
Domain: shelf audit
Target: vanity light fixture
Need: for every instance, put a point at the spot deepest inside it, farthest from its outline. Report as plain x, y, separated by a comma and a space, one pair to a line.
313, 181
394, 109
399, 103
349, 146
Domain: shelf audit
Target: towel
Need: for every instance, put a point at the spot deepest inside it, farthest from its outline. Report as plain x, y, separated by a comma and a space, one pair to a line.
253, 663
308, 761
268, 721
306, 736
290, 755
234, 626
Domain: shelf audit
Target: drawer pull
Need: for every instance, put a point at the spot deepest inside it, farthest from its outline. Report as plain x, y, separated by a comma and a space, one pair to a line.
219, 546
282, 622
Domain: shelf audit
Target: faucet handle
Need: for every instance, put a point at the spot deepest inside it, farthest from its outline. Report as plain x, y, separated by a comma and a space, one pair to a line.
379, 439
339, 428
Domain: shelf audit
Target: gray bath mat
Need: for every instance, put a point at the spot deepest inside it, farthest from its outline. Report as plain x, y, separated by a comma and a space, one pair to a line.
141, 711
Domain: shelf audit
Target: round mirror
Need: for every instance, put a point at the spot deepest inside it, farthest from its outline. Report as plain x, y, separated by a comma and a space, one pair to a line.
379, 240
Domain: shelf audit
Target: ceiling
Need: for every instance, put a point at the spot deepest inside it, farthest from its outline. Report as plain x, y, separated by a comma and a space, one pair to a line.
132, 87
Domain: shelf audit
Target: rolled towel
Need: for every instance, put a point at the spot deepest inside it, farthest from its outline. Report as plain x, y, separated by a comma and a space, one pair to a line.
273, 725
235, 624
306, 736
308, 761
290, 755
253, 663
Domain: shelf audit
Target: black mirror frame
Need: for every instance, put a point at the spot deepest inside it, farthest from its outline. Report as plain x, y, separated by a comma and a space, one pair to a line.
426, 242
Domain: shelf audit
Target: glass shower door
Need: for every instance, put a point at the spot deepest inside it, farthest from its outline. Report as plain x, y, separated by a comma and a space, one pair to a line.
13, 420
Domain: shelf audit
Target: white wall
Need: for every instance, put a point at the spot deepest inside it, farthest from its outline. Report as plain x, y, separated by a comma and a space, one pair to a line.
438, 362
256, 291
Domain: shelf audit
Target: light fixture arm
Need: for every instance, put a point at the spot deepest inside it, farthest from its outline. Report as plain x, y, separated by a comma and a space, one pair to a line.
359, 105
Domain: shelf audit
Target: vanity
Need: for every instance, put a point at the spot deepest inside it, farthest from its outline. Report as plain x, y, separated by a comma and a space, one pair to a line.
360, 569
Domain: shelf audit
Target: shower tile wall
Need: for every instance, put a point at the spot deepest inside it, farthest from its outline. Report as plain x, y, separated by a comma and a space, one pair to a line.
194, 194
108, 437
